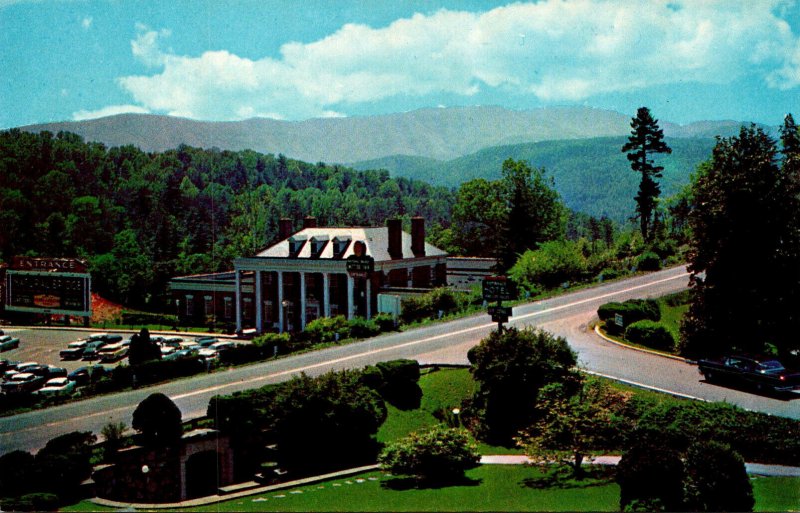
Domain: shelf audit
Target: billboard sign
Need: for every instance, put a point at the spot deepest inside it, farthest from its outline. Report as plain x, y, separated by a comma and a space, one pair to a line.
48, 292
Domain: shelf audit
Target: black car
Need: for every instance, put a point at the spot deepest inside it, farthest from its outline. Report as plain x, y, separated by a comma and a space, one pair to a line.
763, 374
88, 374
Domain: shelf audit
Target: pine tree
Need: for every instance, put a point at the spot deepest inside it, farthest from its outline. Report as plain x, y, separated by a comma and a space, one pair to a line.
646, 139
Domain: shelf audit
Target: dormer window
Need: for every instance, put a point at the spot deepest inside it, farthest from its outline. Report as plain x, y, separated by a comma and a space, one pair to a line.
318, 243
340, 244
296, 244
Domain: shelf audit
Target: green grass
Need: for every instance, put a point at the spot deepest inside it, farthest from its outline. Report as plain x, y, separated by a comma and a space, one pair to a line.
671, 316
776, 493
489, 488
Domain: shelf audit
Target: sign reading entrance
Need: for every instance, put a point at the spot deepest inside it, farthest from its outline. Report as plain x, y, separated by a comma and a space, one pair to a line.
495, 288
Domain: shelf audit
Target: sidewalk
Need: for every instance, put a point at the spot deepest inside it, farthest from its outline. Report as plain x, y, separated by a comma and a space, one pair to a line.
757, 469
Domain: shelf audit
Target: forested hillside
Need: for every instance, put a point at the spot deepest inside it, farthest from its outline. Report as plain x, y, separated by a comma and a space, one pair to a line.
592, 175
140, 218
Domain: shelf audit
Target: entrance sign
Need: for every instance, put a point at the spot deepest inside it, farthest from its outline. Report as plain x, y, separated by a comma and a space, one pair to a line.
359, 264
495, 288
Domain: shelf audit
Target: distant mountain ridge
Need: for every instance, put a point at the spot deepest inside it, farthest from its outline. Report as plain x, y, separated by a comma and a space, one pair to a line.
440, 133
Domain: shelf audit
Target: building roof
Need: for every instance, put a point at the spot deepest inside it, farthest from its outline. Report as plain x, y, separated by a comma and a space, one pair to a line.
321, 243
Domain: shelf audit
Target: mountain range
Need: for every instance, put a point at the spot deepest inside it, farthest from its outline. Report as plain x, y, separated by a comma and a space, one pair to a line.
440, 133
578, 146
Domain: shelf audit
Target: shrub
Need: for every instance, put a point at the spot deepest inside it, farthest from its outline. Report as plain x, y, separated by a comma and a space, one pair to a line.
32, 502
648, 261
244, 353
359, 327
429, 305
631, 311
717, 479
439, 455
609, 273
651, 334
553, 263
270, 340
653, 475
385, 322
325, 329
158, 420
145, 318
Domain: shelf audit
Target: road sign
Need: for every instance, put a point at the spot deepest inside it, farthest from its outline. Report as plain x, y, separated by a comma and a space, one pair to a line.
500, 310
495, 288
618, 320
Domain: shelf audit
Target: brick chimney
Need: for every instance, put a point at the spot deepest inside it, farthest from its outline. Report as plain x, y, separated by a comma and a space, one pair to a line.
309, 222
285, 228
418, 236
395, 238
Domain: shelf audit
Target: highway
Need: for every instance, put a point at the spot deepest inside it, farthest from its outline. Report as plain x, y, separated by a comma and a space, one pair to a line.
567, 315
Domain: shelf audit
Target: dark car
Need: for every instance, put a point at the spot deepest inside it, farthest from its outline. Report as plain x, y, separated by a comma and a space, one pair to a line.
7, 342
88, 374
762, 373
22, 382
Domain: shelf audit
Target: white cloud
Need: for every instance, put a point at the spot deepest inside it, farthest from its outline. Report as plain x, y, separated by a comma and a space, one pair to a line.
86, 22
555, 50
111, 110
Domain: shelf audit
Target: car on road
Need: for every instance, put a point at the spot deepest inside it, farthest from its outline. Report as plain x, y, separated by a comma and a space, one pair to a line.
206, 341
56, 387
7, 342
22, 382
88, 374
763, 374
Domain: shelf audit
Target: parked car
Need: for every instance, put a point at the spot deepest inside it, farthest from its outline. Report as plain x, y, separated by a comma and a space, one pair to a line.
181, 354
22, 382
74, 350
222, 346
89, 374
7, 342
172, 342
5, 365
206, 341
57, 387
112, 352
763, 374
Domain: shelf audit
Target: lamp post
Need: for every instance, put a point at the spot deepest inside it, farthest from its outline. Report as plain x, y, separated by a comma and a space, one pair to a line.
285, 303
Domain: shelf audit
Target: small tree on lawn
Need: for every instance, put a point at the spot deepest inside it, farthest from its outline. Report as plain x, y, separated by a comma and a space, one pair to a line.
510, 368
158, 421
717, 479
574, 427
440, 455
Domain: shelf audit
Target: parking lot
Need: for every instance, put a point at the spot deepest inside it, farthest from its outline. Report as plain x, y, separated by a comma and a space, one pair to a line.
42, 345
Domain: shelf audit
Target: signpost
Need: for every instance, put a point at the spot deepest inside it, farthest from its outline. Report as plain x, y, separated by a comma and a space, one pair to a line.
496, 288
359, 264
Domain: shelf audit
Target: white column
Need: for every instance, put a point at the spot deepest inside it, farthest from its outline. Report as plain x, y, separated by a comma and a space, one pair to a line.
238, 275
302, 300
280, 302
326, 293
369, 298
259, 304
350, 297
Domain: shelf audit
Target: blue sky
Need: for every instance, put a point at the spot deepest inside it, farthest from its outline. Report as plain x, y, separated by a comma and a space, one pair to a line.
229, 60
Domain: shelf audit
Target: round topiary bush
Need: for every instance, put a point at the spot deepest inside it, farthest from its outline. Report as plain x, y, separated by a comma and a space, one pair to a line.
648, 261
651, 334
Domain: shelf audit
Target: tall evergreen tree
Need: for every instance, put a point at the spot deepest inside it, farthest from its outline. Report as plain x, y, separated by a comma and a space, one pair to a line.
745, 250
645, 140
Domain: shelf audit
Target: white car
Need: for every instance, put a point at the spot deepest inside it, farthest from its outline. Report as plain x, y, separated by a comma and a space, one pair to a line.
57, 386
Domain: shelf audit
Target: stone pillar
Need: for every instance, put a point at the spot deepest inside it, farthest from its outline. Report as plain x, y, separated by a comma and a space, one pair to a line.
350, 291
280, 302
259, 301
302, 300
238, 275
326, 293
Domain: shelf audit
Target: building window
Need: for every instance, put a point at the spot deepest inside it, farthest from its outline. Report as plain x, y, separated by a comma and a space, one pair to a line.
228, 307
248, 308
189, 305
268, 317
208, 305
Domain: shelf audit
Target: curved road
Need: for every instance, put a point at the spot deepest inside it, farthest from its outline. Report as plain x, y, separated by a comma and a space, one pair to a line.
448, 342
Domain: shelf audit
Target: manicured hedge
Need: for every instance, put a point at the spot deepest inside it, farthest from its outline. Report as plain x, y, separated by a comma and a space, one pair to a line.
632, 311
648, 261
145, 318
651, 334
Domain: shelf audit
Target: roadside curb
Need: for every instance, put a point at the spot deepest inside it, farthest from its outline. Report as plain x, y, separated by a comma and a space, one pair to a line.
640, 349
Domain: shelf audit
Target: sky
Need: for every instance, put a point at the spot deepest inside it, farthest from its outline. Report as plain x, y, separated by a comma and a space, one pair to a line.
229, 60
